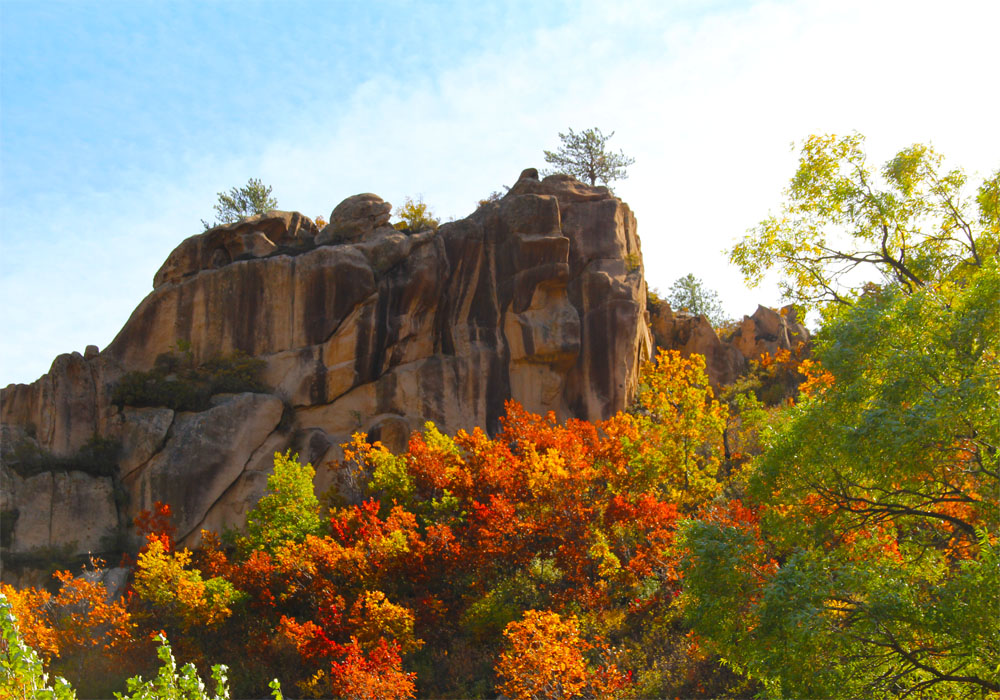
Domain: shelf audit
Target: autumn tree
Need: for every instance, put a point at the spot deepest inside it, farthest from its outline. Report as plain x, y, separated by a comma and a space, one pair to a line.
585, 156
288, 512
252, 198
867, 565
415, 215
77, 631
671, 442
545, 658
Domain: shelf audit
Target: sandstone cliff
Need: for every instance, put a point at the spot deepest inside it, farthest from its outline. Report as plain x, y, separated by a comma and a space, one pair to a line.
539, 297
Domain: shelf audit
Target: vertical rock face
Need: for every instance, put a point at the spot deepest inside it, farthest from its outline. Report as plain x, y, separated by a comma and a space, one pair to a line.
539, 297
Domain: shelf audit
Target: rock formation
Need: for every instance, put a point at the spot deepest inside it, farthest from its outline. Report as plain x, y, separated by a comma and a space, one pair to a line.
727, 357
539, 296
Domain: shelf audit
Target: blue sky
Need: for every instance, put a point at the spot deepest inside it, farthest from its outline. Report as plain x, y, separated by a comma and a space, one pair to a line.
120, 121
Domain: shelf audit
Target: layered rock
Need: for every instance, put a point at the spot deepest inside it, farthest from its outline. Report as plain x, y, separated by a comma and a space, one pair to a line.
538, 297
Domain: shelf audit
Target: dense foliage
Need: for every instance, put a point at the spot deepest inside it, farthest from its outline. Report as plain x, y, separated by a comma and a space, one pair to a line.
869, 567
844, 544
867, 563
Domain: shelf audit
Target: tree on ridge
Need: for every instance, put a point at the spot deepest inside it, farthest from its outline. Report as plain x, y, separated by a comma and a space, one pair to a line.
253, 198
584, 156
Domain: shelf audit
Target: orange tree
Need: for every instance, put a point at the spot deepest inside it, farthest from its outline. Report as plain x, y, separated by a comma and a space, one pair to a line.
545, 659
77, 632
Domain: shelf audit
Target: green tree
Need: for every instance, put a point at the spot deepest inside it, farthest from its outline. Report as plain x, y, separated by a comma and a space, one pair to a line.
873, 570
416, 216
690, 294
252, 198
843, 223
22, 675
288, 512
585, 156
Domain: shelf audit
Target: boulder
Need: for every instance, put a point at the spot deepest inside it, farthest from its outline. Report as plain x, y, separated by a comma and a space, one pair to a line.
252, 236
354, 217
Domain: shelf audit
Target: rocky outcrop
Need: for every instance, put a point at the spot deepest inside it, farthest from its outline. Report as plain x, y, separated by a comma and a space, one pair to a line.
252, 237
727, 355
205, 454
539, 297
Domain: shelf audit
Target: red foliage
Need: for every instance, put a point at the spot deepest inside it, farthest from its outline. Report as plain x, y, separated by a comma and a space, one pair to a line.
156, 525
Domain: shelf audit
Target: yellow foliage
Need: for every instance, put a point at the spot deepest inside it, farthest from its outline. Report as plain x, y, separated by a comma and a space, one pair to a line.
162, 578
376, 617
672, 440
544, 658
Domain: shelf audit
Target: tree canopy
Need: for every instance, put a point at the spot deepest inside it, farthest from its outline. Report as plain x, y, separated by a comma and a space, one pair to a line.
585, 156
253, 198
866, 563
689, 294
844, 224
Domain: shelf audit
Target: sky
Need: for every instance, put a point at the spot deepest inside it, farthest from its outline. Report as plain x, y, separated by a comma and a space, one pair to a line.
121, 121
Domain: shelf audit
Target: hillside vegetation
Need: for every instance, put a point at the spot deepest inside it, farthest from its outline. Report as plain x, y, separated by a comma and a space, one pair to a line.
844, 544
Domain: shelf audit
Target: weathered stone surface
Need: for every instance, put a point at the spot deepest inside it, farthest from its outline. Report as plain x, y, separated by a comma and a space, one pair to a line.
31, 498
259, 307
726, 359
83, 511
252, 236
60, 409
539, 297
60, 509
204, 455
142, 432
354, 217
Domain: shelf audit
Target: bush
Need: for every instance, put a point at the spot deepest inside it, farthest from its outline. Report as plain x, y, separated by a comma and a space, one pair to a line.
22, 675
99, 457
176, 383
